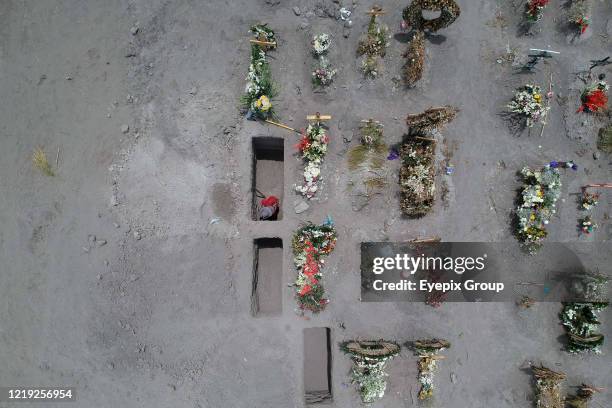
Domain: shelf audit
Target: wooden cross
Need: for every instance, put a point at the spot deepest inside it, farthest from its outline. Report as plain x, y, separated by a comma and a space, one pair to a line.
264, 43
598, 185
376, 11
280, 125
318, 117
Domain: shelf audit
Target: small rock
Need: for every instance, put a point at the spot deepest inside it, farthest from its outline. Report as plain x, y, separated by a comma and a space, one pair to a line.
113, 201
101, 242
301, 206
125, 128
85, 249
110, 366
134, 30
596, 155
91, 238
137, 235
68, 78
453, 377
129, 98
348, 23
116, 225
193, 90
297, 11
99, 276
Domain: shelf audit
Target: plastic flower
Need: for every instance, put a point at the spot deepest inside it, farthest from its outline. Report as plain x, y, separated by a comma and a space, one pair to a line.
263, 103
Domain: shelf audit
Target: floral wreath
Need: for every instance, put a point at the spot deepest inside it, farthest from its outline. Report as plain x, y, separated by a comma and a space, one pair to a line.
413, 14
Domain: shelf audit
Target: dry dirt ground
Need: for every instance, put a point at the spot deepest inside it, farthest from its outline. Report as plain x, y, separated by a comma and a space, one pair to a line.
128, 274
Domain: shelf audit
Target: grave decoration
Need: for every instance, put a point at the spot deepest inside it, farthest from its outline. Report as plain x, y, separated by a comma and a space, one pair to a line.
323, 73
373, 44
528, 105
587, 225
548, 387
415, 59
584, 394
579, 15
311, 245
588, 201
581, 318
537, 204
368, 158
260, 89
594, 98
313, 148
604, 139
370, 358
534, 9
413, 19
428, 352
581, 322
417, 174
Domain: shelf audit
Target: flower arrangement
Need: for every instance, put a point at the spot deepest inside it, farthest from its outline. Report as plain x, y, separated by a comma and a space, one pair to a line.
587, 225
373, 46
594, 98
321, 43
581, 322
589, 200
413, 14
370, 358
528, 103
259, 89
428, 352
323, 73
313, 147
535, 9
415, 59
417, 177
311, 244
548, 387
537, 204
431, 119
579, 15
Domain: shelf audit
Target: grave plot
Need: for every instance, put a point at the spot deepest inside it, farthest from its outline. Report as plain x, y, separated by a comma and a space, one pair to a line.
268, 175
317, 365
266, 295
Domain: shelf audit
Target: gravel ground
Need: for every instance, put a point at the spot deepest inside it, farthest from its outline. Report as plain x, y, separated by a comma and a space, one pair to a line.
128, 274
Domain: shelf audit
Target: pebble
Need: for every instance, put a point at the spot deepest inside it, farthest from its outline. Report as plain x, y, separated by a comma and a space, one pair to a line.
193, 91
137, 235
134, 30
101, 242
301, 206
116, 225
113, 201
348, 23
85, 249
125, 128
596, 155
297, 11
91, 238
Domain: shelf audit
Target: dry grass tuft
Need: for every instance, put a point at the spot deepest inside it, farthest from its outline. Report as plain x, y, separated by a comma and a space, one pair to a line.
39, 158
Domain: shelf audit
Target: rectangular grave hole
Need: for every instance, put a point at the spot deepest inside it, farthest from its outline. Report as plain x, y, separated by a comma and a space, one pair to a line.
267, 292
268, 173
317, 365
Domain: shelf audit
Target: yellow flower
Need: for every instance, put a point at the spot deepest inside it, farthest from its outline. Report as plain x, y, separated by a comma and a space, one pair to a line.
532, 217
263, 103
537, 97
540, 193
